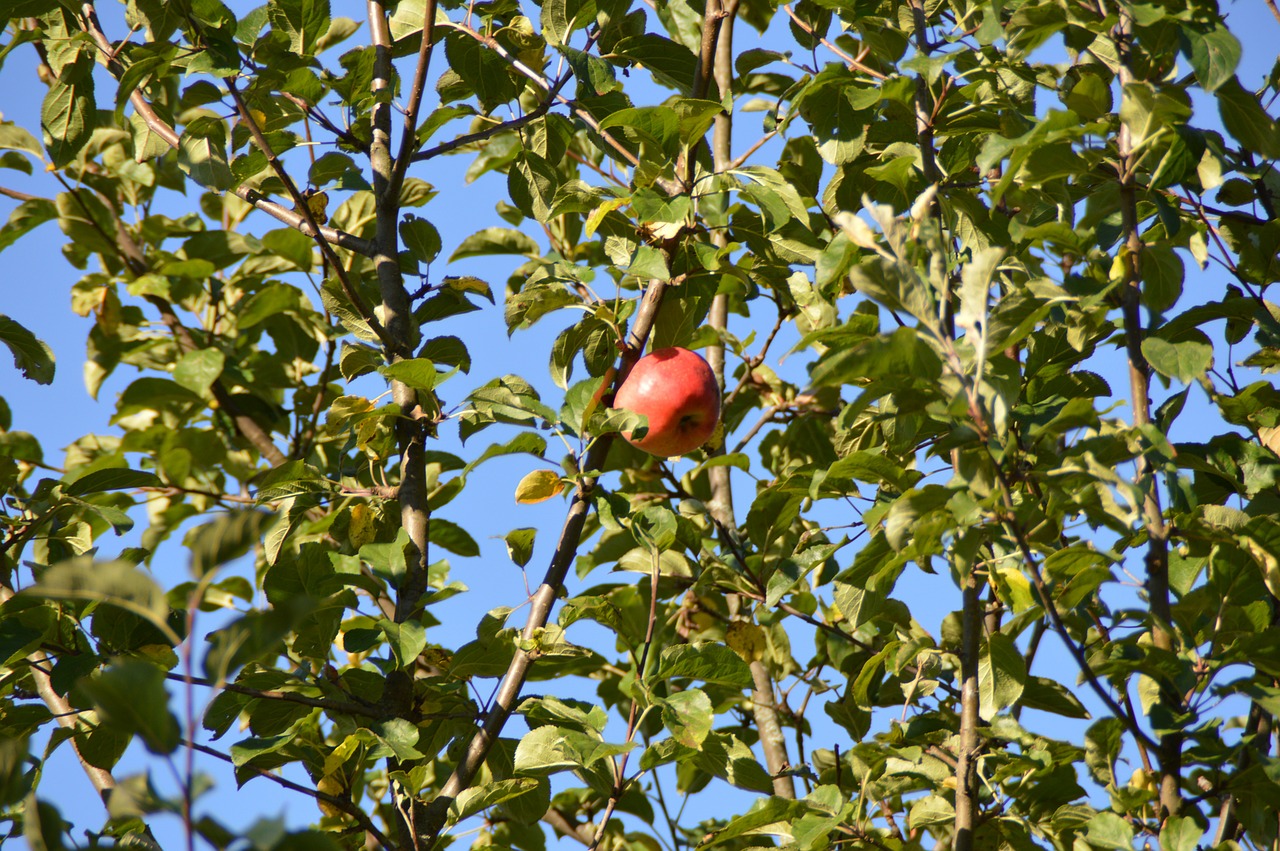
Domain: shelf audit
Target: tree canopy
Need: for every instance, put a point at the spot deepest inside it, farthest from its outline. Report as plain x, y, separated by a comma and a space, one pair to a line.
984, 285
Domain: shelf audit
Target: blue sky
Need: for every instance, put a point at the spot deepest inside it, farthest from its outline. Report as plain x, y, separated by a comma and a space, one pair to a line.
34, 290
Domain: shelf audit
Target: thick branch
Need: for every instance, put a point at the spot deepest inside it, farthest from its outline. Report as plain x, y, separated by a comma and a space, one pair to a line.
966, 762
410, 433
544, 597
1157, 558
66, 715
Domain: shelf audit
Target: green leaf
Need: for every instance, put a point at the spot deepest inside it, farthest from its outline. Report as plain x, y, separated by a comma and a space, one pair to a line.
248, 639
1049, 695
116, 583
303, 21
294, 246
418, 373
833, 106
421, 238
15, 138
874, 468
130, 697
658, 126
30, 355
930, 810
535, 301
706, 661
69, 113
1214, 55
560, 18
479, 798
1002, 675
482, 69
1180, 834
1108, 830
649, 263
520, 545
1149, 113
725, 756
1186, 361
688, 716
672, 65
1162, 276
549, 749
532, 185
197, 370
496, 241
25, 218
202, 153
1246, 120
335, 167
224, 539
291, 479
595, 77
453, 538
407, 640
448, 350
764, 813
112, 479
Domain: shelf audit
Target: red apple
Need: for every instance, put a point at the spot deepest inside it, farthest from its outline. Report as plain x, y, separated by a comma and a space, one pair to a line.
676, 389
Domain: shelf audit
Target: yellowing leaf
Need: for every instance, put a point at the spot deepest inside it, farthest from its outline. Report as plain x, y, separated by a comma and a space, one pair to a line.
360, 530
746, 639
538, 486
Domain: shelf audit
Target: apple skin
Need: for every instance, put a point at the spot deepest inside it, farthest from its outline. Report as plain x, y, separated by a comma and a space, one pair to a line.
676, 389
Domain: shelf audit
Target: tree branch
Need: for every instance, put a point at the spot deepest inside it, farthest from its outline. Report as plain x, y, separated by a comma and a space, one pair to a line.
854, 63
544, 597
514, 124
966, 763
409, 139
620, 781
287, 696
18, 196
1169, 751
669, 186
68, 717
344, 804
132, 256
313, 227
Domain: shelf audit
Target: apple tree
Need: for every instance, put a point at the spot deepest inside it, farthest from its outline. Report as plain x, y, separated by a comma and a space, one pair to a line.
986, 553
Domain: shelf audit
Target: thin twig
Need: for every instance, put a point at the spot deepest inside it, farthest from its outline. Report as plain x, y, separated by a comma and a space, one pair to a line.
853, 63
1271, 4
344, 804
19, 196
133, 258
287, 696
584, 115
620, 782
409, 139
313, 227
